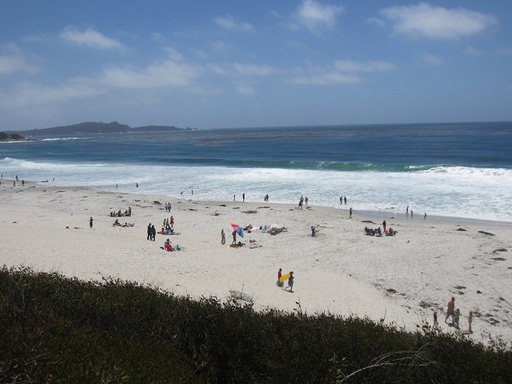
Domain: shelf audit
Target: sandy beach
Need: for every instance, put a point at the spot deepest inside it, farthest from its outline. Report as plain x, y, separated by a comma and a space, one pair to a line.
397, 279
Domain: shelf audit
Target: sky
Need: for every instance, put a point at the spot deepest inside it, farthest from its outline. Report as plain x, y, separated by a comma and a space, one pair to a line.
254, 63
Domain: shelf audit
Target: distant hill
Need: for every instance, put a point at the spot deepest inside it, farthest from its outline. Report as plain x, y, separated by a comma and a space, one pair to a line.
99, 127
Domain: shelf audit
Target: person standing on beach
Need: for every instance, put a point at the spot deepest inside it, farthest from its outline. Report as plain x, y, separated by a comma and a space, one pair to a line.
149, 232
350, 213
90, 222
456, 317
243, 197
153, 233
384, 226
279, 274
450, 310
222, 237
290, 282
234, 237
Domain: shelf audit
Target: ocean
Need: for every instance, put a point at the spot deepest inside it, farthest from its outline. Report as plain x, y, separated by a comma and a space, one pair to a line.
445, 170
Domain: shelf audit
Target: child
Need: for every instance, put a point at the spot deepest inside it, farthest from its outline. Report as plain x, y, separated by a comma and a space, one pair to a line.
279, 274
456, 317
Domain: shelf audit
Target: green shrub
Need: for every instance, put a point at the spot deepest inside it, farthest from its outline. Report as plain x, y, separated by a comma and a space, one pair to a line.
65, 330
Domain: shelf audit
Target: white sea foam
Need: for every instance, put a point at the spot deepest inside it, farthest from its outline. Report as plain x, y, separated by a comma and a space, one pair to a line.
445, 191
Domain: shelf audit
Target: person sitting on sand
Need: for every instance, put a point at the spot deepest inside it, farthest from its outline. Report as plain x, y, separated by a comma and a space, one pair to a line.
116, 223
168, 245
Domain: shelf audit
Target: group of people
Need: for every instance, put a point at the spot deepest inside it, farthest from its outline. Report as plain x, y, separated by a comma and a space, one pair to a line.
303, 200
118, 224
151, 232
453, 316
377, 231
169, 248
168, 206
127, 212
281, 283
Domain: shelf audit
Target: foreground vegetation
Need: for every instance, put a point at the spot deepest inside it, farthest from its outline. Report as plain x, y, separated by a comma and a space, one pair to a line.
61, 330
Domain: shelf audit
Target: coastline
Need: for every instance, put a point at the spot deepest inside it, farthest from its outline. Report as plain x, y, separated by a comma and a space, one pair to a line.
398, 280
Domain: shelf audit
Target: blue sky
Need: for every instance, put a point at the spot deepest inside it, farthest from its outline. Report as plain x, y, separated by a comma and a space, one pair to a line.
254, 63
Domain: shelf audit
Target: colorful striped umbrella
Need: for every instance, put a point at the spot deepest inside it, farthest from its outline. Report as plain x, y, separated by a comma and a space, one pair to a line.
238, 229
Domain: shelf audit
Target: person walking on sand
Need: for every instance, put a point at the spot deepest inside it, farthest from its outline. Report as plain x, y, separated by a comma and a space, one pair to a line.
90, 222
279, 275
350, 213
290, 282
222, 237
450, 310
153, 233
234, 237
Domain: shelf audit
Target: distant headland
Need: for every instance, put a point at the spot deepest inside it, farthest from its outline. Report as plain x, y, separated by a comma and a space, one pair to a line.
87, 127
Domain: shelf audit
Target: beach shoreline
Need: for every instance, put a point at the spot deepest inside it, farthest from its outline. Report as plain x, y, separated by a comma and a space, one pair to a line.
397, 279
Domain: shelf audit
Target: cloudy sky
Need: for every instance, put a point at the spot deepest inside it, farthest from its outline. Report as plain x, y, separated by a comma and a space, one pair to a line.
254, 63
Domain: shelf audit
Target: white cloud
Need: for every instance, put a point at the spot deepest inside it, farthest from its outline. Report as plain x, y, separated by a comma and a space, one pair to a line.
425, 20
430, 59
163, 74
363, 66
251, 69
340, 72
13, 60
15, 63
315, 16
90, 38
325, 79
29, 95
228, 22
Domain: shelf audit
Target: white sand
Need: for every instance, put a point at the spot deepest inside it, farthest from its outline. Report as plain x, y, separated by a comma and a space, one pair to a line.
400, 279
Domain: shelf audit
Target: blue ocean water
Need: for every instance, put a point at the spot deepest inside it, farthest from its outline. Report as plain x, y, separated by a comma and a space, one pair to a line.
456, 170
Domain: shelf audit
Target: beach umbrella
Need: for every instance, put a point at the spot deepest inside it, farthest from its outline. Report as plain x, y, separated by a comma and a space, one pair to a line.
238, 229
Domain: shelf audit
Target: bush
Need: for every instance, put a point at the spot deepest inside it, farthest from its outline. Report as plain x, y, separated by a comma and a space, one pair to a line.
59, 329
